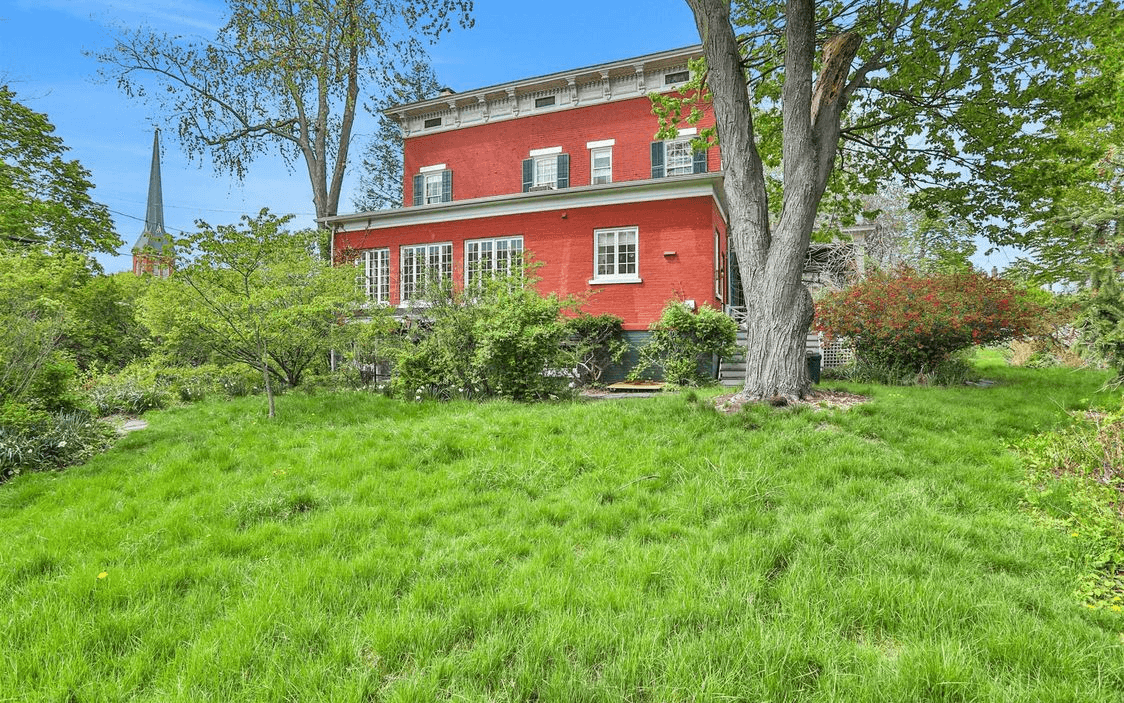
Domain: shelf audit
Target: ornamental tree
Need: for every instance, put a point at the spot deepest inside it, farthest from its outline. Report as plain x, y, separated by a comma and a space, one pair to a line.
257, 294
915, 322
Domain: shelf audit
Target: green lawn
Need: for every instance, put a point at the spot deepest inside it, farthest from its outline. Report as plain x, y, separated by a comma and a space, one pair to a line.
363, 549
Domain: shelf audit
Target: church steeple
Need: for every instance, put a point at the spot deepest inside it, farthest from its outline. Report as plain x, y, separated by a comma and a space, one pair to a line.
153, 252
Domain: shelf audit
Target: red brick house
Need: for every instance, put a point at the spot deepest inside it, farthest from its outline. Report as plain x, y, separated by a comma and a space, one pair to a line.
563, 167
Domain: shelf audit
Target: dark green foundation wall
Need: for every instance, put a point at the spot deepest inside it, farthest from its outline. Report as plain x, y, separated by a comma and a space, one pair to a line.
636, 340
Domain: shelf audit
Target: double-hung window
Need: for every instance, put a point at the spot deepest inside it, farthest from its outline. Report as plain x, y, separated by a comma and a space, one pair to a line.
547, 169
498, 257
615, 255
677, 157
601, 165
434, 184
601, 161
424, 265
374, 279
433, 190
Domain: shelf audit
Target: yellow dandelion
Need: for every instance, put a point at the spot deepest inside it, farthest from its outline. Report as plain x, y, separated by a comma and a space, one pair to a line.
1072, 534
103, 574
1116, 608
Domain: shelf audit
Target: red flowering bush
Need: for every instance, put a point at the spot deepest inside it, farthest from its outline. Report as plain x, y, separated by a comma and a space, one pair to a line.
915, 322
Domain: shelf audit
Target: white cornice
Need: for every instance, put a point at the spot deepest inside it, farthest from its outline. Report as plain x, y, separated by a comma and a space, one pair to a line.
672, 188
607, 82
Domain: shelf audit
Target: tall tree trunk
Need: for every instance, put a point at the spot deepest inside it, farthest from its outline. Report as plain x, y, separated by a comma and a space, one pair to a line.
771, 257
264, 357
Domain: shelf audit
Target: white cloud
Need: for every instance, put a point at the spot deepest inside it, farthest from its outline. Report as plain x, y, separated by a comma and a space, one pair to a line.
173, 16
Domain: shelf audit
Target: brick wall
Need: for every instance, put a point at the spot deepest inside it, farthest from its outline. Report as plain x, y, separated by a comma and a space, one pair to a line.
486, 160
675, 252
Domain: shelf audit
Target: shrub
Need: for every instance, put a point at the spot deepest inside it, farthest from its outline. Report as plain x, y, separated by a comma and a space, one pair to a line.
128, 394
598, 341
683, 339
500, 339
913, 324
141, 387
1076, 477
54, 387
33, 440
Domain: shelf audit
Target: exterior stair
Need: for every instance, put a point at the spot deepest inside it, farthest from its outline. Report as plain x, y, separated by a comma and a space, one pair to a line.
731, 372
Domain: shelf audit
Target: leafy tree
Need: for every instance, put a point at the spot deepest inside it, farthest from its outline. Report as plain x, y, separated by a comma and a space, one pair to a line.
280, 74
31, 330
925, 241
381, 182
942, 94
45, 199
106, 330
1081, 236
255, 293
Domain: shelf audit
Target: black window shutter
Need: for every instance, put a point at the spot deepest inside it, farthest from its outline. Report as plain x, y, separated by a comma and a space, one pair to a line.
563, 171
447, 186
657, 160
419, 189
699, 162
528, 174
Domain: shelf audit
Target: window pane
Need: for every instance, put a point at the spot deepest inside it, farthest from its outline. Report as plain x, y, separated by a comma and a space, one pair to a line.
546, 171
602, 166
432, 188
616, 253
679, 157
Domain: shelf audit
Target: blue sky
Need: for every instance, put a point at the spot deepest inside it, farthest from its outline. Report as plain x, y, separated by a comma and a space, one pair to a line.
42, 45
42, 60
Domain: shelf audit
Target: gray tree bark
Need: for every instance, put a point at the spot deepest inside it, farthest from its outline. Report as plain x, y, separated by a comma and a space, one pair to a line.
771, 255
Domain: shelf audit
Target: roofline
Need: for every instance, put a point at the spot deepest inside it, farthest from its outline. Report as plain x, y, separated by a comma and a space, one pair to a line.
523, 83
670, 188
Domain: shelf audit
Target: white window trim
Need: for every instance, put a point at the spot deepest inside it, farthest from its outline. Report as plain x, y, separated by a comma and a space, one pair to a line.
546, 151
616, 278
493, 240
593, 155
402, 299
600, 144
682, 139
688, 131
717, 266
372, 284
433, 177
546, 158
431, 169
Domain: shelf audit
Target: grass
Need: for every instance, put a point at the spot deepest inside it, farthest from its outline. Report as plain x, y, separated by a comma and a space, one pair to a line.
363, 549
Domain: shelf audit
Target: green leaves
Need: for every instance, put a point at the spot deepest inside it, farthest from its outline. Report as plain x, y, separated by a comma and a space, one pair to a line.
44, 198
256, 293
279, 76
917, 321
683, 339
